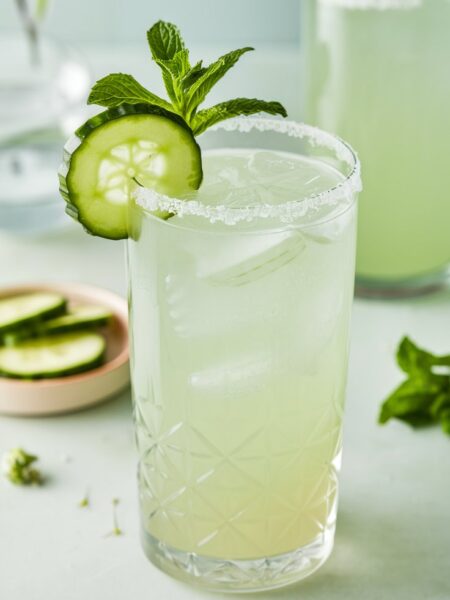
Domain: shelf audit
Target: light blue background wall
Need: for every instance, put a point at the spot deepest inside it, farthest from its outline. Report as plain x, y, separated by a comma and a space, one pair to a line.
111, 37
201, 21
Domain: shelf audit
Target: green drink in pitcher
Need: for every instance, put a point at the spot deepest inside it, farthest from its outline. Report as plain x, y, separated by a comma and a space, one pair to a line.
379, 77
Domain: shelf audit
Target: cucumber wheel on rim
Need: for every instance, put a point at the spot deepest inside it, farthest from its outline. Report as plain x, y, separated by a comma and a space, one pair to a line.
118, 147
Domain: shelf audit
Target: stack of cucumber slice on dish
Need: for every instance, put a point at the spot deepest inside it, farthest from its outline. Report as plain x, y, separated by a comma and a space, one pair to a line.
41, 336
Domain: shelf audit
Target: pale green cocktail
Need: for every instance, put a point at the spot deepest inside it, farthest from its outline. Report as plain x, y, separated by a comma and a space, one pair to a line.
240, 309
379, 78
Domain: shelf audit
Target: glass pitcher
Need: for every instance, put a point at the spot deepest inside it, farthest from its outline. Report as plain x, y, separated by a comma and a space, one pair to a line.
379, 77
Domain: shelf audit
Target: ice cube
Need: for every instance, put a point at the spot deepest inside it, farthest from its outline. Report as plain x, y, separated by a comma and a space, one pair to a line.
235, 264
204, 297
242, 374
198, 311
316, 325
333, 228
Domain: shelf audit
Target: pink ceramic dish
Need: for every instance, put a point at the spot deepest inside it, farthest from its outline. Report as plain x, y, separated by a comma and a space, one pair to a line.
64, 394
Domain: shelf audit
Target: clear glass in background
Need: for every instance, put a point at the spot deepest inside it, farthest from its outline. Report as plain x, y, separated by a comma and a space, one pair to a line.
379, 77
240, 330
43, 92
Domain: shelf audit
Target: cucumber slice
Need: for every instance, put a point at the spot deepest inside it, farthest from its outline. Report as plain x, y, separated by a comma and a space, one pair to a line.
79, 317
117, 147
53, 356
28, 309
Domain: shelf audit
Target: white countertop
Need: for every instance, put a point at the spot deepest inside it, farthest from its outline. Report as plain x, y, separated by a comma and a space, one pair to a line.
393, 535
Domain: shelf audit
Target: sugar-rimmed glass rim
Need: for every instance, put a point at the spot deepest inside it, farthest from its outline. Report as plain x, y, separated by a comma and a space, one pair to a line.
285, 213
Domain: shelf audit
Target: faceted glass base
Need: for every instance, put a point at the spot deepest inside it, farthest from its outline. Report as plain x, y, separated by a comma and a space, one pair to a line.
406, 288
251, 575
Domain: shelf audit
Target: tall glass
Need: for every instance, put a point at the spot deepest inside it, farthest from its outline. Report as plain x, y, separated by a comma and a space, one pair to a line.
240, 321
379, 77
42, 95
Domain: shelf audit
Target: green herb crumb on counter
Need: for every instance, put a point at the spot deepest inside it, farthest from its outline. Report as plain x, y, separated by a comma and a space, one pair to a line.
116, 530
18, 467
84, 502
424, 397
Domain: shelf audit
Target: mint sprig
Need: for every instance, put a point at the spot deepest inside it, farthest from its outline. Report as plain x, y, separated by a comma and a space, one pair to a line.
424, 397
187, 86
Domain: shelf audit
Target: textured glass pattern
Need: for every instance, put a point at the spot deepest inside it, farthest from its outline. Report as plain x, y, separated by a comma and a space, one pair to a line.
266, 486
241, 575
239, 389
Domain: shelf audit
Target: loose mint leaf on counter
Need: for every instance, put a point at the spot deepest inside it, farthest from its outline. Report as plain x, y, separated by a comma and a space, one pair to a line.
440, 405
445, 421
424, 397
412, 396
411, 358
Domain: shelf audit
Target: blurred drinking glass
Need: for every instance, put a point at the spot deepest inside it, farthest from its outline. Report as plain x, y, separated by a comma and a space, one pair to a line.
43, 87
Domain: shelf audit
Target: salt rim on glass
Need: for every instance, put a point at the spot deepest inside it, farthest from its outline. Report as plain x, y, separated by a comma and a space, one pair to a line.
285, 213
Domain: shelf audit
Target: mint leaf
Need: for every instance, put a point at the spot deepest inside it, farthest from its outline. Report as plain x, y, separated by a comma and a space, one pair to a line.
417, 419
169, 83
412, 396
192, 75
119, 88
208, 79
424, 397
411, 358
177, 66
232, 108
440, 404
169, 53
174, 70
164, 40
445, 421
